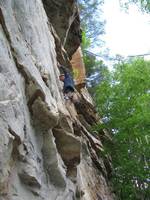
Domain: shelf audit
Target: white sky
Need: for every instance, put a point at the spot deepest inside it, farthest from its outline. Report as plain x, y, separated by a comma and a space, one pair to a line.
126, 33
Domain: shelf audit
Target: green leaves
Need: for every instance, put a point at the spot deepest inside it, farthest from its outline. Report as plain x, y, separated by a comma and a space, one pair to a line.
144, 5
91, 22
124, 99
85, 41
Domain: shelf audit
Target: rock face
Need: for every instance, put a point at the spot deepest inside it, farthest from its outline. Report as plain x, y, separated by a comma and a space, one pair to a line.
64, 16
46, 150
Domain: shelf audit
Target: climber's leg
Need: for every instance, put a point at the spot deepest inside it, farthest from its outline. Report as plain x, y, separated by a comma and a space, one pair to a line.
71, 94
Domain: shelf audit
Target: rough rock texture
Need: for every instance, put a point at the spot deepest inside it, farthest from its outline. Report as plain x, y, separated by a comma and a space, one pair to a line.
46, 150
64, 16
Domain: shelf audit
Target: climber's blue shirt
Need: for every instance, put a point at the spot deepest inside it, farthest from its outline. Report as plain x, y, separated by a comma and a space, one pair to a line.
68, 83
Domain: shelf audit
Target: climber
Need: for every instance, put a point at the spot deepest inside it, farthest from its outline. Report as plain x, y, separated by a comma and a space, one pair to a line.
68, 88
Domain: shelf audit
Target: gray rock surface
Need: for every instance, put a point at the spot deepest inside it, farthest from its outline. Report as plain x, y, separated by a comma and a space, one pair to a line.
41, 139
64, 15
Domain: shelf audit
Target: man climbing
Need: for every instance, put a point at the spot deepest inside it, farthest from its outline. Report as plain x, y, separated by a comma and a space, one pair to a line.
68, 88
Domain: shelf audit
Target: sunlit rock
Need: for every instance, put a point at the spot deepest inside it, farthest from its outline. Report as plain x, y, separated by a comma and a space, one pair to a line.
46, 149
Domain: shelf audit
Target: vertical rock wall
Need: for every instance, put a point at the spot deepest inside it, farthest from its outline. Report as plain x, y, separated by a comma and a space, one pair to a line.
46, 151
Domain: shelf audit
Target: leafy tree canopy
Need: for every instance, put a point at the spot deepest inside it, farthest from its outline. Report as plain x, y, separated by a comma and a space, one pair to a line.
91, 22
123, 98
92, 64
92, 27
144, 5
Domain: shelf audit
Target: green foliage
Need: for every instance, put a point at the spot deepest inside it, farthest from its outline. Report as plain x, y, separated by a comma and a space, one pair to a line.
91, 63
124, 99
144, 5
90, 18
103, 91
85, 41
89, 60
92, 27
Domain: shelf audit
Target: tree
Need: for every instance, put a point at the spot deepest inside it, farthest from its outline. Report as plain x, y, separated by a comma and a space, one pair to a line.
144, 5
103, 92
92, 27
124, 99
92, 64
91, 23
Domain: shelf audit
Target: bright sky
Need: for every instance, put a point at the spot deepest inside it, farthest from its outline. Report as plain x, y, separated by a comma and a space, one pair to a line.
126, 33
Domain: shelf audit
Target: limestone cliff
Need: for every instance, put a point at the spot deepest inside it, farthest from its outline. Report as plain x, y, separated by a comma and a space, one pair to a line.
46, 149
